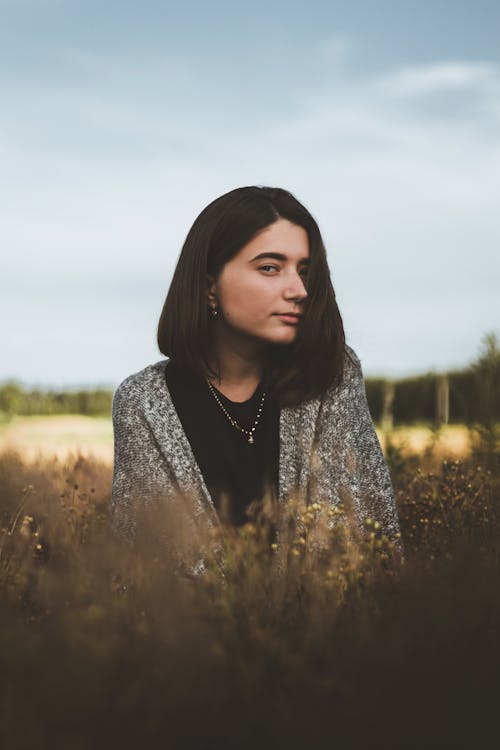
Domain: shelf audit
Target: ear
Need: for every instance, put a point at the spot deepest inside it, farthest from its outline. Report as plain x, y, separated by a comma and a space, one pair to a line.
211, 290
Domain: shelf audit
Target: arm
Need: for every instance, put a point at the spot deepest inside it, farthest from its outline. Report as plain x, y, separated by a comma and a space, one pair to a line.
142, 485
147, 510
362, 477
130, 440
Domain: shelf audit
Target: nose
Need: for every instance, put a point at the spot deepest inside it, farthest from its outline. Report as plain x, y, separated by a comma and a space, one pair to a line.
296, 289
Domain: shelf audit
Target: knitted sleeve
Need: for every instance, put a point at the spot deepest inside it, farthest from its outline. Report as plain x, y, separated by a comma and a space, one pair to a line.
361, 476
146, 509
138, 470
129, 432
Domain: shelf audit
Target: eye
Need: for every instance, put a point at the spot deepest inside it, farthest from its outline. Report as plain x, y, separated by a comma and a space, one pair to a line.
304, 272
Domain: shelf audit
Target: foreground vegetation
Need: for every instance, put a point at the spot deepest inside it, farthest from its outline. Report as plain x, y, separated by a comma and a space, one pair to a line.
351, 645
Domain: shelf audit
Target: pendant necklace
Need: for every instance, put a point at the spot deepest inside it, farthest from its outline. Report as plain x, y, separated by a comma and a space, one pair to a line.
249, 432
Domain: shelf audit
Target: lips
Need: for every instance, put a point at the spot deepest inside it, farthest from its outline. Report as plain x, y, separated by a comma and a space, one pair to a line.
289, 317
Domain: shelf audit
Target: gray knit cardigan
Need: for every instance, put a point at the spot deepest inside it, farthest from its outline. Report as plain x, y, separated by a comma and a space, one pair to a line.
329, 451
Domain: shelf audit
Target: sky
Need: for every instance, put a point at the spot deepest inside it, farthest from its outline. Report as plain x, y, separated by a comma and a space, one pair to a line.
120, 121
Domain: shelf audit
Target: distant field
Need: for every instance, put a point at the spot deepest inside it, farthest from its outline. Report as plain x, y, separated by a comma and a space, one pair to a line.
453, 440
60, 435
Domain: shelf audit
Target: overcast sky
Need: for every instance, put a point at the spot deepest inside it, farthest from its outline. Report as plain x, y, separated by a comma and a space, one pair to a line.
120, 121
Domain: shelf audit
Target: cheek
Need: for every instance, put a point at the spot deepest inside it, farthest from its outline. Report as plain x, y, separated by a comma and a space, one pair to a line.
245, 295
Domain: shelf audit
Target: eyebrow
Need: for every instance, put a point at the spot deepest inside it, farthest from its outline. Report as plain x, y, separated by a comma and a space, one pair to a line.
278, 256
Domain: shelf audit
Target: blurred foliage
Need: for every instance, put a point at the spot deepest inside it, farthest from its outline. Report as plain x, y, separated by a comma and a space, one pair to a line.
101, 644
474, 392
15, 400
375, 396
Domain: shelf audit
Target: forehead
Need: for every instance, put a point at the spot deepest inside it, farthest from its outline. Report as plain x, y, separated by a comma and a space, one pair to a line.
283, 238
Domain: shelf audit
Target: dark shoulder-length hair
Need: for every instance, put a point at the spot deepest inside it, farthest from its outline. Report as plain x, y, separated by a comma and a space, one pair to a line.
295, 372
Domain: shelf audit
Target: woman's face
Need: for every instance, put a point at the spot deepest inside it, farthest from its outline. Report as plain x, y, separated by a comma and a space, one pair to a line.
265, 279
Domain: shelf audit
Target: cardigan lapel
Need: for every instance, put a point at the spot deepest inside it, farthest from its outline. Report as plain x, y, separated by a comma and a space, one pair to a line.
297, 430
175, 446
296, 434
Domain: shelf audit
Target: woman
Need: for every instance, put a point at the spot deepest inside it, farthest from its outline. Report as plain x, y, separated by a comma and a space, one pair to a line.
259, 399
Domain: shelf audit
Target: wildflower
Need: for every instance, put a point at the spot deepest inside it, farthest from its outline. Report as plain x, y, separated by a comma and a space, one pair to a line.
217, 649
95, 612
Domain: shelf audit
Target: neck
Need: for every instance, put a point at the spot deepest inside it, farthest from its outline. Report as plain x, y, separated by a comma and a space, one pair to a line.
238, 361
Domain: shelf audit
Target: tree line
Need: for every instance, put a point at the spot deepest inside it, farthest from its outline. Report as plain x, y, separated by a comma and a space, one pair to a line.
469, 395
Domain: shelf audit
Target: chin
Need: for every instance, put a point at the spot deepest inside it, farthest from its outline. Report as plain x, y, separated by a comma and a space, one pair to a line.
289, 338
287, 335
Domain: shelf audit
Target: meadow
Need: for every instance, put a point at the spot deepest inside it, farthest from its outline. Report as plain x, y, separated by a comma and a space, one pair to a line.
63, 434
352, 645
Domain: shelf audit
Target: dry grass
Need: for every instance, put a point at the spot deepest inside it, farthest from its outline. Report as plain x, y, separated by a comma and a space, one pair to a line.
104, 645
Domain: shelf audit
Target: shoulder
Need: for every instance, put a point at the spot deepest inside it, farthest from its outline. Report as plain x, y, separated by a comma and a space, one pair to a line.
352, 368
138, 386
352, 377
351, 359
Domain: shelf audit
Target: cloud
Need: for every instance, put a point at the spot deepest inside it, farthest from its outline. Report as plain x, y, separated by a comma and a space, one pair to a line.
406, 200
438, 77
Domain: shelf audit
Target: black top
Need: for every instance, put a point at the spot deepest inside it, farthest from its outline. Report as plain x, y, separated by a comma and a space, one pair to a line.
230, 465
